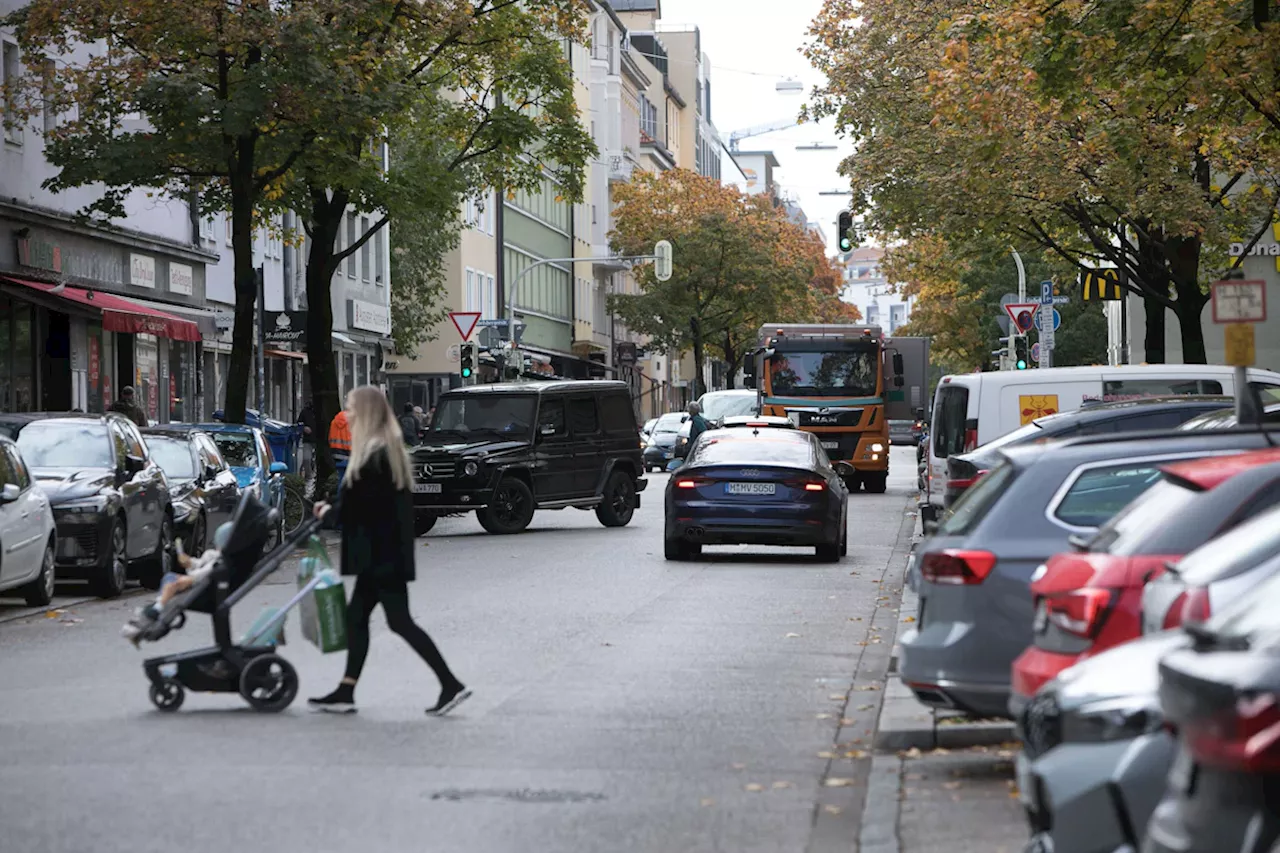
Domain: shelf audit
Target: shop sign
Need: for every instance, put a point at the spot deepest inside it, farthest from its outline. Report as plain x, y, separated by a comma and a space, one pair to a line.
142, 270
224, 321
39, 254
181, 279
286, 327
370, 317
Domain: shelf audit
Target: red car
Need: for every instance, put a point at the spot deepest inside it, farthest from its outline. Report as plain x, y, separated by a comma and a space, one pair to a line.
1090, 599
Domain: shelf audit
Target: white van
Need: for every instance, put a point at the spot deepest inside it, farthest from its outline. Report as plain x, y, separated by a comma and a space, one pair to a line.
971, 409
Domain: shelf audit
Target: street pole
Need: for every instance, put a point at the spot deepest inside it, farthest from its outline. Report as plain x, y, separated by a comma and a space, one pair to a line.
262, 344
1011, 353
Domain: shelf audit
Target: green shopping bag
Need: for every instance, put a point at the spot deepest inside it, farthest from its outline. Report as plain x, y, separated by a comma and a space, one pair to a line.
323, 610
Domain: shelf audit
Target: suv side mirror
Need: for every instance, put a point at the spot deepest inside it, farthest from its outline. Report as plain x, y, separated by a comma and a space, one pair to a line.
134, 464
749, 370
210, 472
9, 493
897, 363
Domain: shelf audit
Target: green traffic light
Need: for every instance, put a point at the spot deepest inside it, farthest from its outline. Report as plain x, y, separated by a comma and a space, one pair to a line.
466, 373
1022, 365
845, 244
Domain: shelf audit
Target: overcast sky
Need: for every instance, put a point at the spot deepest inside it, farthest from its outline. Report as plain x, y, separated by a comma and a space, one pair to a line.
753, 45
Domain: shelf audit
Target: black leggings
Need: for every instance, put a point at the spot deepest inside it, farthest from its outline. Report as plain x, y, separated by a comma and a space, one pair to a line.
393, 595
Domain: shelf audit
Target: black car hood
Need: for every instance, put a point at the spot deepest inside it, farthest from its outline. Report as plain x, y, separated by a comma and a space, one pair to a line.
474, 447
1130, 669
70, 484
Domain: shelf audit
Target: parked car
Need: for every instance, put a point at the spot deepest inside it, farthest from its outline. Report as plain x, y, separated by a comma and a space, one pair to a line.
202, 486
757, 422
1222, 696
110, 499
662, 441
1099, 419
754, 487
901, 432
1213, 576
505, 451
647, 429
974, 573
1226, 418
919, 428
1095, 753
716, 406
248, 455
27, 537
1090, 599
973, 409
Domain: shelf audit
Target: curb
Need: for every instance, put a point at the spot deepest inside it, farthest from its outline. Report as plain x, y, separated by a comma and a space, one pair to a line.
879, 831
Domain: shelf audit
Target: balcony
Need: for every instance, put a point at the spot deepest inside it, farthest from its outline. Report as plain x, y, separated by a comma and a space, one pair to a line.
620, 167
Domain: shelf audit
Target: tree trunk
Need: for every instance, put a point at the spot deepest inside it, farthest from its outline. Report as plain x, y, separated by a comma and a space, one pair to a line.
731, 356
326, 218
699, 358
1153, 343
1184, 264
243, 344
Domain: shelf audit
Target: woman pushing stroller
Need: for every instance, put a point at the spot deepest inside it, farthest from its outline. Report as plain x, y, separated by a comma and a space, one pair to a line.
375, 512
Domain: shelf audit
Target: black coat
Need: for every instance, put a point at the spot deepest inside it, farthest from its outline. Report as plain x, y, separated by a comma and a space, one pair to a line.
377, 522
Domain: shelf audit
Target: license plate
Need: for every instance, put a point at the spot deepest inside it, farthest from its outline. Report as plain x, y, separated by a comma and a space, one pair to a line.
830, 445
427, 488
749, 488
1182, 776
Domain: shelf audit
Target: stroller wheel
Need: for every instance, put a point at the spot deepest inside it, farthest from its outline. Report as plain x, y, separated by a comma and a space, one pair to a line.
269, 683
167, 694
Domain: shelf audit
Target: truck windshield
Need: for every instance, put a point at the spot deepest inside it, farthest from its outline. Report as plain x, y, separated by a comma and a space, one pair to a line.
849, 373
506, 414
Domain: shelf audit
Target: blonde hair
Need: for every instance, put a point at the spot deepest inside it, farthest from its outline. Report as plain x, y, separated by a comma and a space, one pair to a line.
374, 427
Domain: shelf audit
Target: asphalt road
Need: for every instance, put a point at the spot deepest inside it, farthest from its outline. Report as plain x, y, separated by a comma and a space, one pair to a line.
622, 703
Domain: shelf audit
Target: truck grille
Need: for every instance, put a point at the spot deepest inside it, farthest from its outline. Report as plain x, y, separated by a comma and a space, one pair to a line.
832, 418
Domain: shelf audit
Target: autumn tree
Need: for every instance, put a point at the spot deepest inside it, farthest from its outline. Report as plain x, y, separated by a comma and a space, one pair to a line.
1078, 127
739, 262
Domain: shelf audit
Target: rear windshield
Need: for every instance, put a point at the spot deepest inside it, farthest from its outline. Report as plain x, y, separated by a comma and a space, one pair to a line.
949, 420
1234, 552
722, 405
977, 501
1100, 493
776, 447
1141, 528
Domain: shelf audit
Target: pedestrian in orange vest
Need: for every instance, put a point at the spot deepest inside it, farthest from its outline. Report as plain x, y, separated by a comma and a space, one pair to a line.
340, 443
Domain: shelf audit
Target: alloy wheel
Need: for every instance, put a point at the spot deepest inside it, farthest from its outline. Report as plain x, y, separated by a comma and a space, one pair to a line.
509, 504
49, 580
119, 558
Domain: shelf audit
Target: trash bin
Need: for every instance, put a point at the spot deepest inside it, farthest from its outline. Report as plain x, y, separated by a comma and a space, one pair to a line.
284, 439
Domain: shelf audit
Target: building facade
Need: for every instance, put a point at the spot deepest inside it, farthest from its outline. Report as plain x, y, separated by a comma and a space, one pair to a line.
866, 287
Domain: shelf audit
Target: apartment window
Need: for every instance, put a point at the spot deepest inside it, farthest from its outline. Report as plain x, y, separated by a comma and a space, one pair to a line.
366, 266
9, 70
469, 291
379, 263
226, 226
351, 241
593, 214
469, 212
206, 228
490, 298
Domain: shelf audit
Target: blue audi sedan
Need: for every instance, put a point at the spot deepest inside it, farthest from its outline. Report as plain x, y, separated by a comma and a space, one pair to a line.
756, 487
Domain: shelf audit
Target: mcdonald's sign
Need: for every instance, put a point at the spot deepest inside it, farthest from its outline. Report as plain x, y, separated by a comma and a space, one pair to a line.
1101, 285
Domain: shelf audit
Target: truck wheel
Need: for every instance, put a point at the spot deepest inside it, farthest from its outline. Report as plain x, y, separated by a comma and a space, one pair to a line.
511, 508
619, 502
877, 484
423, 522
853, 482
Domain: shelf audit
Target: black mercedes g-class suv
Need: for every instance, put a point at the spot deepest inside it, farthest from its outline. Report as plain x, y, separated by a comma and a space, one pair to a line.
506, 450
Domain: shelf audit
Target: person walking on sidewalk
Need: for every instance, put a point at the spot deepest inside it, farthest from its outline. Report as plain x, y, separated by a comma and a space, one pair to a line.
307, 420
376, 513
128, 406
340, 444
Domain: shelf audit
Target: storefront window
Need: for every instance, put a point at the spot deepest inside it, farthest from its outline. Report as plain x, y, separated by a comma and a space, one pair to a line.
23, 364
362, 370
146, 363
180, 382
348, 373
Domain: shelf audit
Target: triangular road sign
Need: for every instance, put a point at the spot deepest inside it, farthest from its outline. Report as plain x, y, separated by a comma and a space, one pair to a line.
465, 322
1020, 323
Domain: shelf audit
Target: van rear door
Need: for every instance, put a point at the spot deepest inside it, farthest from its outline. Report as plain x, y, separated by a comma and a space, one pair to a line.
953, 431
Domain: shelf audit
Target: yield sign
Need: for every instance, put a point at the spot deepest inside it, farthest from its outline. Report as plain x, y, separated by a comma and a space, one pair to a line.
465, 322
1022, 314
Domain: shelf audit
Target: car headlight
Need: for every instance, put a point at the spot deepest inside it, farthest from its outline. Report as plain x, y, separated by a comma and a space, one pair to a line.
470, 469
87, 505
1112, 719
877, 447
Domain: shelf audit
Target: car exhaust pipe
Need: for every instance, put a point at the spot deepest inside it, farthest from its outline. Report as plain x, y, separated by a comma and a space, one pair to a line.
694, 532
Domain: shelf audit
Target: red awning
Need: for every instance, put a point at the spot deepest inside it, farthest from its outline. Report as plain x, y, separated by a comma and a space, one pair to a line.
119, 313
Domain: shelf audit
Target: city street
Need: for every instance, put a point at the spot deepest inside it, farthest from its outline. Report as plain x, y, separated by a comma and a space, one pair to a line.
622, 703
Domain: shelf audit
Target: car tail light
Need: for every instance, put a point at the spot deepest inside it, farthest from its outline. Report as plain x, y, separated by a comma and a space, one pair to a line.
688, 483
1246, 738
1173, 616
970, 436
1195, 605
1080, 611
814, 487
957, 567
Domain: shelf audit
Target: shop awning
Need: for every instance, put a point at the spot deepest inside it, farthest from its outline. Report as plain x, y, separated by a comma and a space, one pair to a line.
202, 317
119, 313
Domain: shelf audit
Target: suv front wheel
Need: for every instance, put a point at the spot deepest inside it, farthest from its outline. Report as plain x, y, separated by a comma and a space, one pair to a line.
619, 500
511, 508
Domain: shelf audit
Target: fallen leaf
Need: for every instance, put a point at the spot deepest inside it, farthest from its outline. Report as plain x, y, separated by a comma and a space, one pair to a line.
753, 787
870, 687
780, 785
837, 782
845, 721
913, 752
856, 753
832, 809
865, 707
836, 696
909, 619
855, 618
706, 801
826, 754
824, 716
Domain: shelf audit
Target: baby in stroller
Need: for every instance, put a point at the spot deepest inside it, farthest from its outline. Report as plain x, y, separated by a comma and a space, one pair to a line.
173, 584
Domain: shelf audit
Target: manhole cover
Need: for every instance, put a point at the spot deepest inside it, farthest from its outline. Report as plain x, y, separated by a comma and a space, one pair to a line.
521, 795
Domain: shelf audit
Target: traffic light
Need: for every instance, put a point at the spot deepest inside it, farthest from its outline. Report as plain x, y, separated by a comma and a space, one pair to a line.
844, 231
468, 363
1021, 359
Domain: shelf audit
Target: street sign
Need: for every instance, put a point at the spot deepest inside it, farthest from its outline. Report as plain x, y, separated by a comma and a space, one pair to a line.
1035, 352
1240, 349
1061, 300
465, 322
453, 353
1057, 320
1021, 313
1048, 324
501, 321
1239, 301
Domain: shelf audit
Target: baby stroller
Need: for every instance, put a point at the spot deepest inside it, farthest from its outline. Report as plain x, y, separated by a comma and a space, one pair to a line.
252, 668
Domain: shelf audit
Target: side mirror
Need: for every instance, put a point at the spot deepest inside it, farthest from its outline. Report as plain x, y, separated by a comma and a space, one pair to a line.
210, 472
897, 363
134, 464
749, 370
278, 468
898, 381
547, 430
9, 493
673, 465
